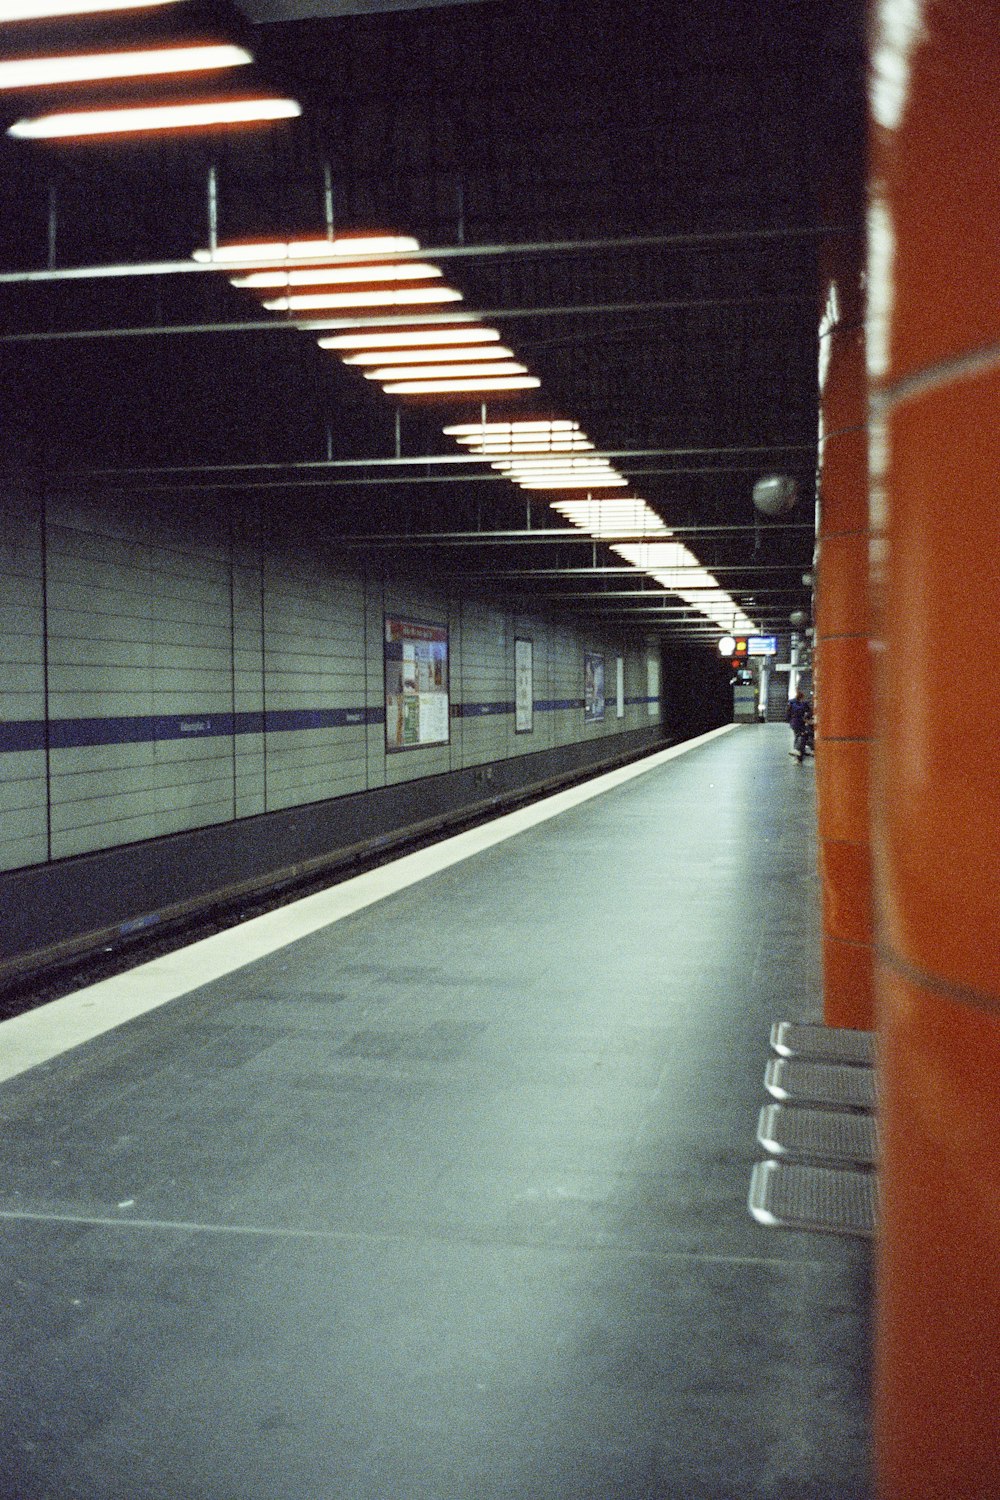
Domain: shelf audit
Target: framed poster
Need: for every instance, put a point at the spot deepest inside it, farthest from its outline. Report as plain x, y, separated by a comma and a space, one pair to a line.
619, 687
593, 687
524, 688
416, 684
652, 686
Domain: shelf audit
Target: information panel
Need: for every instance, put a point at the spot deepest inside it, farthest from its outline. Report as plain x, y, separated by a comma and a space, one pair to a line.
593, 687
762, 645
619, 687
416, 684
524, 688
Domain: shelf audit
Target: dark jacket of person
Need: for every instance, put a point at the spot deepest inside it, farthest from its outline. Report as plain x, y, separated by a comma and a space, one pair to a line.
799, 714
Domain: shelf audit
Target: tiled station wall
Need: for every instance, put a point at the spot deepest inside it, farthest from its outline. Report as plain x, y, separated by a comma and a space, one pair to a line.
167, 666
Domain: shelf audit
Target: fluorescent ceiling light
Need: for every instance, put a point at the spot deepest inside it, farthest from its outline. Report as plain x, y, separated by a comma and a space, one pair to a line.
446, 372
556, 464
161, 117
262, 254
611, 517
474, 428
38, 72
415, 336
386, 298
528, 446
532, 476
36, 10
431, 387
560, 481
564, 483
404, 319
551, 460
429, 356
323, 275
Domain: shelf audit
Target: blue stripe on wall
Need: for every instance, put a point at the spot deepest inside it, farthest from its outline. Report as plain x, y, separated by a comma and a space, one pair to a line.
142, 729
24, 734
476, 710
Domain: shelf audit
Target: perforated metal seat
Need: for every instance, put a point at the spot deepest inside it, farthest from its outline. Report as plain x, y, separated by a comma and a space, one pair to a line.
823, 1043
829, 1200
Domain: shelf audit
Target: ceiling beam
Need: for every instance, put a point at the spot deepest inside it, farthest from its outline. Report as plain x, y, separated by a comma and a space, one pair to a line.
288, 324
400, 461
439, 252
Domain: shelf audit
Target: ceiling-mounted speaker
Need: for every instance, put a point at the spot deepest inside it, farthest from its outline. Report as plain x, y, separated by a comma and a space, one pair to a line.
775, 495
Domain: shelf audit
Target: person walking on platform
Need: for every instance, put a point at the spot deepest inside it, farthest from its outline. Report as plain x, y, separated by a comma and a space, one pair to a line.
800, 719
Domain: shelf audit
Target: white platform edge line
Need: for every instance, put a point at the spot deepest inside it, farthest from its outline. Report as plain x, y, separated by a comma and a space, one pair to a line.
46, 1032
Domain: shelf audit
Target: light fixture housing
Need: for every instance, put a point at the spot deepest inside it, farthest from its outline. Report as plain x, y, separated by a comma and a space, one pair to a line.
337, 275
387, 297
444, 387
461, 429
41, 72
414, 336
42, 10
271, 252
430, 356
134, 121
446, 372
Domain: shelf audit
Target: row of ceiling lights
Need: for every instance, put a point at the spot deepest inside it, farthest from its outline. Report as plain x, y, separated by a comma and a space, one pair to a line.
454, 355
458, 355
30, 72
327, 276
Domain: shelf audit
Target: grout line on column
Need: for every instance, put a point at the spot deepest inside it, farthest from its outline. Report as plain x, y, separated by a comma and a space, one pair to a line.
960, 367
959, 994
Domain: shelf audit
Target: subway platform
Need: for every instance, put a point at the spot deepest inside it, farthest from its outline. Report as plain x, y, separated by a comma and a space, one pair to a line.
434, 1186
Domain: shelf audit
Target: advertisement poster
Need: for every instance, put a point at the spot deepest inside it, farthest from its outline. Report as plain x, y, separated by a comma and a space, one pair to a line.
619, 687
524, 688
593, 687
416, 684
652, 687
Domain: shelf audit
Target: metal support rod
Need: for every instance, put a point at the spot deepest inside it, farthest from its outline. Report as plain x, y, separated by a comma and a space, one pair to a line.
53, 224
623, 572
422, 479
213, 208
419, 460
328, 200
318, 325
505, 538
444, 252
395, 480
399, 432
653, 592
460, 212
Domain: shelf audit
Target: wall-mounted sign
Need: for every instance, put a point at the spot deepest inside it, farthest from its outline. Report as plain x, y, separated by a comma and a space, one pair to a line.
524, 688
416, 684
762, 645
619, 687
593, 687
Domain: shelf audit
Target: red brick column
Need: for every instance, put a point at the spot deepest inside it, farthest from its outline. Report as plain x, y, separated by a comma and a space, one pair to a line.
843, 665
934, 353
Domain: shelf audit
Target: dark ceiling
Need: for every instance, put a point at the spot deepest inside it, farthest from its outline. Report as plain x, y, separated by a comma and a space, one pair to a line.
631, 192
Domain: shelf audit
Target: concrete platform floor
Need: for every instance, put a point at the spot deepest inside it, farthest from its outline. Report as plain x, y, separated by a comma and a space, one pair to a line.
447, 1201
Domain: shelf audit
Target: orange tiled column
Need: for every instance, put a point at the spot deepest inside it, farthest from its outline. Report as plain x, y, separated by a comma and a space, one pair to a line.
843, 665
934, 353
